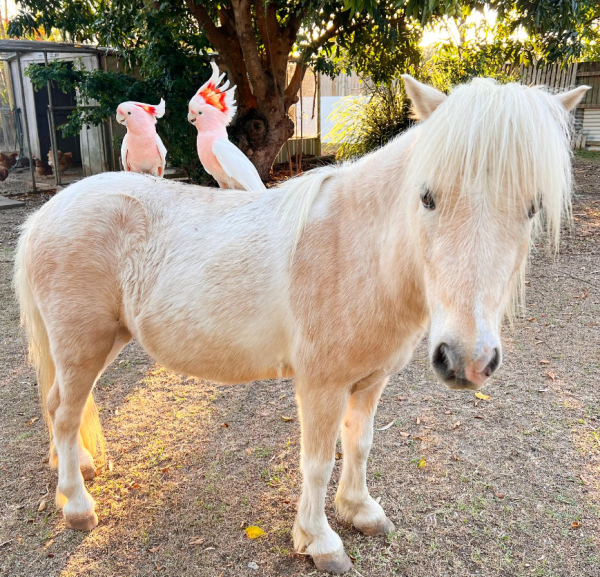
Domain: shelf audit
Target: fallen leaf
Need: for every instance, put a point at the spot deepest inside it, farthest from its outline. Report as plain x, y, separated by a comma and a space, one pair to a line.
254, 532
135, 486
249, 451
544, 362
225, 425
456, 458
31, 421
447, 412
542, 390
456, 425
401, 398
154, 549
50, 555
576, 525
531, 320
386, 427
110, 466
583, 480
197, 541
403, 434
421, 463
551, 375
478, 417
165, 470
418, 420
499, 495
482, 396
338, 456
286, 419
42, 506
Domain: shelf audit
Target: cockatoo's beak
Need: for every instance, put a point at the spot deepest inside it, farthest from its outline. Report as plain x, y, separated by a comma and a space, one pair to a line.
121, 118
191, 118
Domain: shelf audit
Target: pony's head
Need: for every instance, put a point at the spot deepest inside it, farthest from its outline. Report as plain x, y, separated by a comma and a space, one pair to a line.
489, 165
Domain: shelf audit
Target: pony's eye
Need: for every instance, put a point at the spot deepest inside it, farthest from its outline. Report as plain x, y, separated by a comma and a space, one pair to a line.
427, 200
534, 208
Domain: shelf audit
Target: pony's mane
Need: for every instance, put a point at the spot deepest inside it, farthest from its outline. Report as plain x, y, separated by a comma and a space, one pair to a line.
502, 143
506, 143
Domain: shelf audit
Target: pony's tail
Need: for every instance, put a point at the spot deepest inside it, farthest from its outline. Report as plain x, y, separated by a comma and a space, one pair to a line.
41, 358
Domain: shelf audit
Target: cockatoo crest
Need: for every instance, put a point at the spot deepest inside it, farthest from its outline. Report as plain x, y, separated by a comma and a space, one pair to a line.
158, 111
221, 97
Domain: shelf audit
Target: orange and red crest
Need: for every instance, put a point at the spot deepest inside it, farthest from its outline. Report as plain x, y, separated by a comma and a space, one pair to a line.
213, 96
149, 109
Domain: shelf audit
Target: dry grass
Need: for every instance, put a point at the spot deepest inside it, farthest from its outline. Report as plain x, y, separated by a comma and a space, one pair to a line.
190, 464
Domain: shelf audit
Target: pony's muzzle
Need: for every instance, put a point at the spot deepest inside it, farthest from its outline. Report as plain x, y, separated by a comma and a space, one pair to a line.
449, 365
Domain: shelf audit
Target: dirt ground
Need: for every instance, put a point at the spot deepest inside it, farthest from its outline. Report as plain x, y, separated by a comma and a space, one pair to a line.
511, 484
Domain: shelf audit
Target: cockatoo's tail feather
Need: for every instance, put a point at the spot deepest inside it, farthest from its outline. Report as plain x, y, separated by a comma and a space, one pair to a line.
221, 97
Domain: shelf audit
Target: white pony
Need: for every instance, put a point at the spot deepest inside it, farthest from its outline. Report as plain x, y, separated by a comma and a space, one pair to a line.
332, 278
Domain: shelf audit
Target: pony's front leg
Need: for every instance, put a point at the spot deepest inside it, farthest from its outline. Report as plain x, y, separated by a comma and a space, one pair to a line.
353, 502
321, 412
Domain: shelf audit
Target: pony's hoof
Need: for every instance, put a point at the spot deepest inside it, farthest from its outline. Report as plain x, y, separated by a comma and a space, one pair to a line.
336, 563
381, 528
82, 521
88, 471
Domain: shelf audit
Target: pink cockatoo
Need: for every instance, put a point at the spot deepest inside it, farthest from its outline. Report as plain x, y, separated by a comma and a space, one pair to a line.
210, 110
142, 149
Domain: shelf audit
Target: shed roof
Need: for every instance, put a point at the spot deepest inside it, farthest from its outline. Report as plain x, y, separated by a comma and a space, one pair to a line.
22, 46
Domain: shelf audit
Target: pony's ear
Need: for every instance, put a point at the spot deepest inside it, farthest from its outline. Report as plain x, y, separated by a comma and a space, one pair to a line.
573, 97
425, 99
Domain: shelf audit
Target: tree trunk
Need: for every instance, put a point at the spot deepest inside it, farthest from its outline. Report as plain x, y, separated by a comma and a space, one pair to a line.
260, 132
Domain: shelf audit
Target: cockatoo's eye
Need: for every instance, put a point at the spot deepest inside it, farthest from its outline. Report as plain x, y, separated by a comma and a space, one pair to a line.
129, 113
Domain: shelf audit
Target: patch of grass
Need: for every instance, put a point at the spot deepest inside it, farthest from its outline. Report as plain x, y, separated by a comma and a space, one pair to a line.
588, 155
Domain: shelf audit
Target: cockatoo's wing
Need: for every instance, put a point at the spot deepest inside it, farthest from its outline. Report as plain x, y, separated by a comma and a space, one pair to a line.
124, 153
237, 165
161, 150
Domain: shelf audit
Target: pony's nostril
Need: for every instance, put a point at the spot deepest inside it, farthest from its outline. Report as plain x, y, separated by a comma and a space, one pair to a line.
493, 364
441, 361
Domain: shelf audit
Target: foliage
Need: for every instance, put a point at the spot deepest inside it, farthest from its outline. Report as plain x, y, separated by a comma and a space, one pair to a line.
471, 49
169, 63
165, 42
368, 122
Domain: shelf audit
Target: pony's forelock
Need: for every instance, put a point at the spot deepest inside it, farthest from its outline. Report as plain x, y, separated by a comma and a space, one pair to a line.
504, 143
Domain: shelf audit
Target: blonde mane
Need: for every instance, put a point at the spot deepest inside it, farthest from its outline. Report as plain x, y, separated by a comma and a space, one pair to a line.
501, 143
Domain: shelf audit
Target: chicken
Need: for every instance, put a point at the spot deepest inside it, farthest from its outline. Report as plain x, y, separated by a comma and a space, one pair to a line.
42, 167
8, 160
65, 160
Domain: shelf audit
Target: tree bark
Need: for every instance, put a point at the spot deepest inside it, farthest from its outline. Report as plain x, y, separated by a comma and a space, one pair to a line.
262, 125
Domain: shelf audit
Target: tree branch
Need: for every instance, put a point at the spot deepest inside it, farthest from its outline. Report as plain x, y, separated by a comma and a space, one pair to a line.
245, 32
207, 26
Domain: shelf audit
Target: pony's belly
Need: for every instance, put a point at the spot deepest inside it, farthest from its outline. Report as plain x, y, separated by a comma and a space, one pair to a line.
211, 357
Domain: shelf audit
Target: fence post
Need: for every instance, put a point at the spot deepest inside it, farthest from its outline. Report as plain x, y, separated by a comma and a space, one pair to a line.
53, 139
24, 107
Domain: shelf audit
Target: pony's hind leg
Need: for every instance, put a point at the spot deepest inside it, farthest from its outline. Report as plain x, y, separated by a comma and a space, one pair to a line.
86, 459
321, 412
77, 368
353, 502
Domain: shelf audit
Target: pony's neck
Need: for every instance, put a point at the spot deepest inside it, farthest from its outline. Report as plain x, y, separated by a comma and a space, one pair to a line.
379, 186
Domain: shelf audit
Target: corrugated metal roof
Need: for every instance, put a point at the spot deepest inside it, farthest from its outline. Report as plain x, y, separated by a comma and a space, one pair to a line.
14, 46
